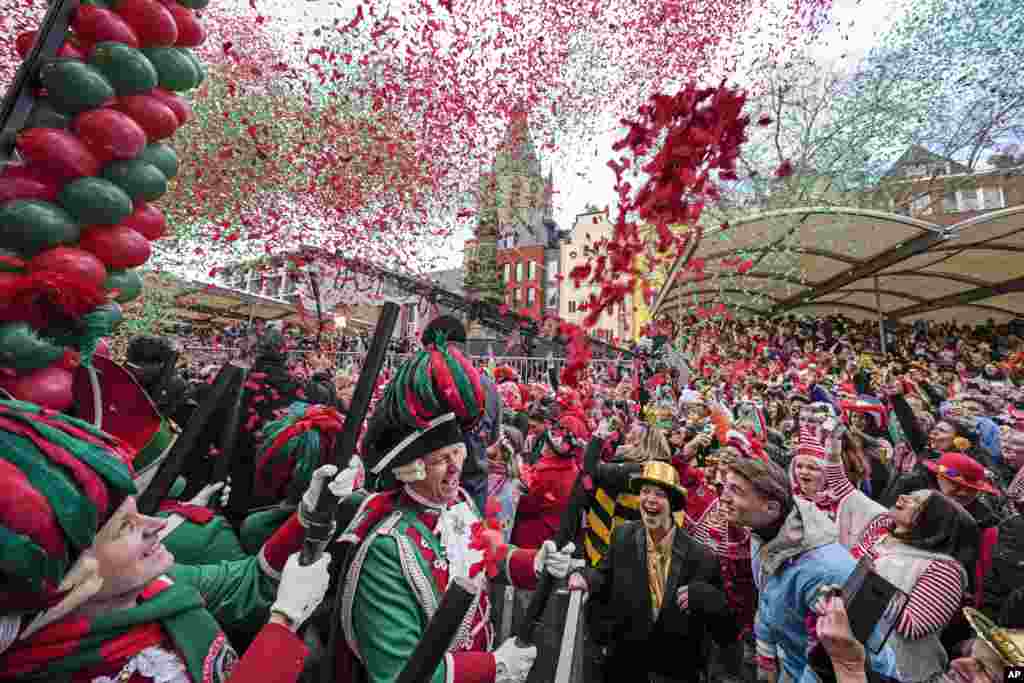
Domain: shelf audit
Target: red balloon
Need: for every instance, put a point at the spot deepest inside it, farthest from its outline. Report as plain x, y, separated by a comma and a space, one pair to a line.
24, 42
110, 134
18, 187
147, 220
48, 387
68, 50
152, 22
157, 120
191, 32
103, 348
118, 247
178, 104
82, 266
94, 24
57, 151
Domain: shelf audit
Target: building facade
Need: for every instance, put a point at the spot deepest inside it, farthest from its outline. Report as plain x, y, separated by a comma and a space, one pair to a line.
522, 271
516, 210
939, 190
351, 300
615, 325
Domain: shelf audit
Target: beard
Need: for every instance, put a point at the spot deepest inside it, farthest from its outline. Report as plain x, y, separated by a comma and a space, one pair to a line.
659, 522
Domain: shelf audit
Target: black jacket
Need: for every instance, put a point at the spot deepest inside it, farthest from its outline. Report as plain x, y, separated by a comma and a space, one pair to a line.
674, 645
1007, 572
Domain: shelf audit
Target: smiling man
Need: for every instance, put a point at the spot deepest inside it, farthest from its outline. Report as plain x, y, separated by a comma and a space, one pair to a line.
661, 589
420, 530
795, 554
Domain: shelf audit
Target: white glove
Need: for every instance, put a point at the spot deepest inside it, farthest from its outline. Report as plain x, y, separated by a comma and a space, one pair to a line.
553, 561
301, 589
341, 486
206, 493
513, 663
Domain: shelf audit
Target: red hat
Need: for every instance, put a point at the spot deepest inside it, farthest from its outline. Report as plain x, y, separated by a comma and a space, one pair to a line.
505, 373
962, 470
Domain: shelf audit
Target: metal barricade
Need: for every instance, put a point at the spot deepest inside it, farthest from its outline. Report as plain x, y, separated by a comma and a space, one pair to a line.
529, 368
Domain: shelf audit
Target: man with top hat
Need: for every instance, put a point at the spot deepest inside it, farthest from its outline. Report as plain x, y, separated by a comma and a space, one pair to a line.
90, 594
420, 530
662, 589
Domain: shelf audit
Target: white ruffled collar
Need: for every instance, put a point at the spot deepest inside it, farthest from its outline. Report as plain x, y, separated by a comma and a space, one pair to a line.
454, 529
156, 663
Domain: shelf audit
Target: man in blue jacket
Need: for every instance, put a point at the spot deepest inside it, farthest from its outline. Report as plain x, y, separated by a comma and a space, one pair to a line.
795, 557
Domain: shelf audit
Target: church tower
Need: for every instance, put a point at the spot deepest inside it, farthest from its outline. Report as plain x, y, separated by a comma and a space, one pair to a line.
522, 189
514, 204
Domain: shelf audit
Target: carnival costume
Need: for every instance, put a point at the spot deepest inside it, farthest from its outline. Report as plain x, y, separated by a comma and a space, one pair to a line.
63, 479
407, 549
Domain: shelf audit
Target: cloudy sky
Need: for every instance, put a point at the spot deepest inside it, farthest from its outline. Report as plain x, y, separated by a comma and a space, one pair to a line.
581, 176
580, 165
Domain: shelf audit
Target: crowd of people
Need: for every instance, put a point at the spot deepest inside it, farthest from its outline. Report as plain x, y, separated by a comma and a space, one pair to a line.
712, 499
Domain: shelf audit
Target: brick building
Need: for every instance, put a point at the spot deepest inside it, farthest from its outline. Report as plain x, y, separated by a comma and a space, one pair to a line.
939, 190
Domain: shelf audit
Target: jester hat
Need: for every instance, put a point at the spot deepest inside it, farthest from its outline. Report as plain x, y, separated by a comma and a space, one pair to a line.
62, 479
294, 447
432, 400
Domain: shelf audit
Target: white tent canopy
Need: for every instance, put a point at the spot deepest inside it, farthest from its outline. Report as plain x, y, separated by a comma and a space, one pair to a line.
859, 263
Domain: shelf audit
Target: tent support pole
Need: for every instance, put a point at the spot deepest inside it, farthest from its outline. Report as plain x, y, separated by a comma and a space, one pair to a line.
881, 320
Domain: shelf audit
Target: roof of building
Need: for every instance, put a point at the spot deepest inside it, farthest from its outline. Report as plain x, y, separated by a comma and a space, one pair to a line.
822, 260
916, 155
452, 279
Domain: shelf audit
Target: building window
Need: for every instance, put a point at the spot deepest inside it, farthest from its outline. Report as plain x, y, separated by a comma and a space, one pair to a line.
921, 205
992, 198
974, 199
969, 200
515, 296
572, 306
531, 296
519, 271
508, 272
532, 271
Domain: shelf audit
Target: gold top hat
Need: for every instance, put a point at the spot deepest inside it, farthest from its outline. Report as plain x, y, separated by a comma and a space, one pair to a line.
664, 475
1007, 643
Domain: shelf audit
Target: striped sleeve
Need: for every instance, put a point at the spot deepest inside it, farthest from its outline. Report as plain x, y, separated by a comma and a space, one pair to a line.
1016, 490
877, 529
934, 600
836, 481
698, 531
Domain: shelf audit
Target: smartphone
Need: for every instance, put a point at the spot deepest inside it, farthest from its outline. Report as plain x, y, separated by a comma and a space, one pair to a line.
874, 606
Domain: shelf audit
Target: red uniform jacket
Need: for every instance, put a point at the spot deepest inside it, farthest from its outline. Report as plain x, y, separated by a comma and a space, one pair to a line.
540, 510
